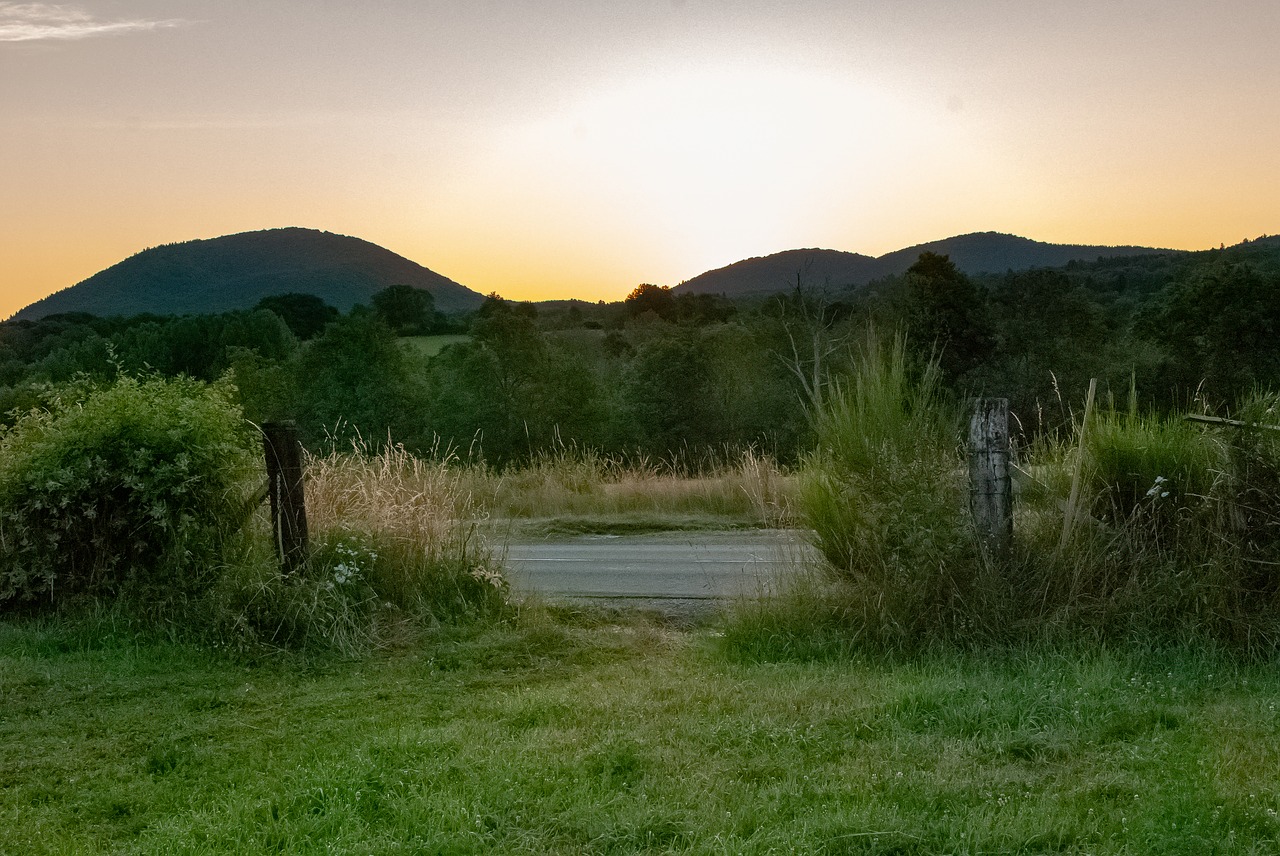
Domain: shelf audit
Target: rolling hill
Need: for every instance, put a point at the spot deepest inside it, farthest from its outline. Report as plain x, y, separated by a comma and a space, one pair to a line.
980, 252
236, 271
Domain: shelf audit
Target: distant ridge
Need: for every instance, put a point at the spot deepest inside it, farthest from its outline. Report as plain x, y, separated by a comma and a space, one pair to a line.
768, 274
979, 252
236, 271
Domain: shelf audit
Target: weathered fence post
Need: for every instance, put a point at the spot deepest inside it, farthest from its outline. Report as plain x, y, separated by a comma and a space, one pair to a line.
285, 487
990, 490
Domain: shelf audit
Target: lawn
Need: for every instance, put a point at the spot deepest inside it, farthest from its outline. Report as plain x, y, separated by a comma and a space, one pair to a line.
606, 733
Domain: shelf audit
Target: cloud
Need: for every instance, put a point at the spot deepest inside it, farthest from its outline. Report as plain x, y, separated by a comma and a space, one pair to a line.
30, 22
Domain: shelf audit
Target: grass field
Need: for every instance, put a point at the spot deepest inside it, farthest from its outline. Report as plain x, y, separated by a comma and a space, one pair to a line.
429, 346
578, 734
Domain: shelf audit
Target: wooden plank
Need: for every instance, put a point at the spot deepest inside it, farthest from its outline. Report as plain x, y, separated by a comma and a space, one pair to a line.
1229, 423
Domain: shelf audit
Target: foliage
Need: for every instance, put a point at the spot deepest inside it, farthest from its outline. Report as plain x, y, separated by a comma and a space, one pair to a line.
304, 314
1253, 467
1143, 464
408, 311
668, 392
674, 373
1138, 526
512, 390
416, 525
884, 496
660, 302
1220, 324
130, 490
395, 547
356, 380
947, 314
1050, 339
579, 490
648, 298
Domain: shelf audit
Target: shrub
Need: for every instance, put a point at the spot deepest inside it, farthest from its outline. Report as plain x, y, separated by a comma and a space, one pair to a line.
1144, 464
1139, 528
129, 490
1253, 458
1175, 542
412, 523
884, 494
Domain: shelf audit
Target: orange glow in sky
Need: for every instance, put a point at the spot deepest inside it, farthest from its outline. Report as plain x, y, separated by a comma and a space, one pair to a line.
558, 149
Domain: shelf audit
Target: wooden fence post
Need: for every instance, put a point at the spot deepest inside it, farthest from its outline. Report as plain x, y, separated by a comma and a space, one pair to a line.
990, 489
285, 487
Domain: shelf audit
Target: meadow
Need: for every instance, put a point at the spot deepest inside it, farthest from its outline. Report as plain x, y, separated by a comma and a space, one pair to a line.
1108, 685
577, 732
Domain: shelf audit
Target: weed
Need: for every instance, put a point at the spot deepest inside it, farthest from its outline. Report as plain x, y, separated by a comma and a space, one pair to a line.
395, 545
1138, 527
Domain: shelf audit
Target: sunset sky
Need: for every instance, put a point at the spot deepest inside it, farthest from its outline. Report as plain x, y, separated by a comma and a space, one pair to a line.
575, 148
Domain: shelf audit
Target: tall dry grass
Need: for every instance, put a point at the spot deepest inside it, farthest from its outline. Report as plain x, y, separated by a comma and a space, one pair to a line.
395, 545
420, 518
745, 487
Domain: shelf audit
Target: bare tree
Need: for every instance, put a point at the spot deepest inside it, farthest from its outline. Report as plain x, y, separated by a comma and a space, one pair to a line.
814, 339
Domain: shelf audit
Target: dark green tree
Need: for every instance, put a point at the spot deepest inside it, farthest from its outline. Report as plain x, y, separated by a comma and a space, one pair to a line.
406, 310
356, 378
1051, 338
649, 298
945, 312
1219, 325
669, 393
305, 314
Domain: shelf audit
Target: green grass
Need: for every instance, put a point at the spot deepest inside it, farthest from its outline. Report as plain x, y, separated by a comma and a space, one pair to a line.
429, 346
604, 734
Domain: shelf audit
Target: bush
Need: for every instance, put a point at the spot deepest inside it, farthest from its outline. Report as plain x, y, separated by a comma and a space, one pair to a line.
1139, 528
1168, 542
129, 491
1253, 457
884, 493
1143, 464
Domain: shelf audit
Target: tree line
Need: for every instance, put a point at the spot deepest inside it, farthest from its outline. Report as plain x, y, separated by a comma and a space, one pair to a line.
683, 376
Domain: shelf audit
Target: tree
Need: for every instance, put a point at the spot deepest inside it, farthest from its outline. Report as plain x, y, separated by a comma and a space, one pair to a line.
946, 312
647, 297
305, 314
1050, 338
358, 378
668, 393
406, 310
816, 333
1221, 325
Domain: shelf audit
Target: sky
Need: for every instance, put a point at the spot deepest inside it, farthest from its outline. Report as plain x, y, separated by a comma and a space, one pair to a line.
548, 149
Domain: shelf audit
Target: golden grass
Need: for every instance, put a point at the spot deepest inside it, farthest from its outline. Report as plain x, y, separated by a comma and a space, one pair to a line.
389, 493
412, 521
751, 489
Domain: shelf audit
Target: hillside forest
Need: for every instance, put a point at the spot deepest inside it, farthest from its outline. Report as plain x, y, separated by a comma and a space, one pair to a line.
683, 377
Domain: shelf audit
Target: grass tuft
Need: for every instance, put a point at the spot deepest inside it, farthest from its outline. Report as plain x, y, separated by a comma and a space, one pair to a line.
1139, 528
396, 548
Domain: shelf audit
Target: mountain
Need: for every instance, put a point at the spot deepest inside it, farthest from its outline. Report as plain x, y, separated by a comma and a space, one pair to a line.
769, 274
236, 271
993, 252
980, 252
